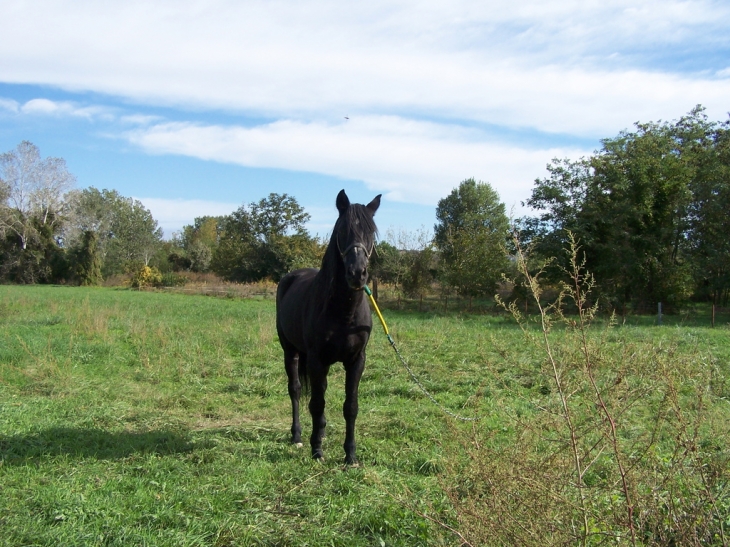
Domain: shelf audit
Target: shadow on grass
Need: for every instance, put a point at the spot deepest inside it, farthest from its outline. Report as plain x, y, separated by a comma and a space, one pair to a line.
91, 443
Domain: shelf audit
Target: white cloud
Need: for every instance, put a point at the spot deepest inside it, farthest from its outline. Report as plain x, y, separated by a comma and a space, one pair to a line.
139, 119
46, 107
93, 112
410, 161
531, 64
575, 67
9, 104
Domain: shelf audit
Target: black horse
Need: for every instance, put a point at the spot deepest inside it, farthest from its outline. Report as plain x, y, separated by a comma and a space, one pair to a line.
322, 316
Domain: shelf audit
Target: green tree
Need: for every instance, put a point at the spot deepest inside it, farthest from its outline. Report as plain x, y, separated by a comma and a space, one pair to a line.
200, 256
471, 235
385, 263
636, 208
234, 257
128, 235
41, 261
135, 235
88, 260
278, 215
420, 272
265, 239
406, 260
560, 198
204, 230
198, 243
708, 216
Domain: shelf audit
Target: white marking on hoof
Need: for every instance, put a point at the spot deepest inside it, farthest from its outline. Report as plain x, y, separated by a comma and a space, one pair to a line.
298, 445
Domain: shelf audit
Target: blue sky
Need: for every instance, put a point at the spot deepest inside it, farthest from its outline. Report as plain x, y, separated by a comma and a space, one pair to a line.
197, 107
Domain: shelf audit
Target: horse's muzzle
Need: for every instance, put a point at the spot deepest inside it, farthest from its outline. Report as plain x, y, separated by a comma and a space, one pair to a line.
356, 266
356, 278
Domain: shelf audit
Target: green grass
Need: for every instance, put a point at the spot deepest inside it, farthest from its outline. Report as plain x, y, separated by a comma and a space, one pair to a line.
143, 418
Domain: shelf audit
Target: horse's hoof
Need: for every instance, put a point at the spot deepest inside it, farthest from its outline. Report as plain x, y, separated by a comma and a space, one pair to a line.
298, 445
352, 465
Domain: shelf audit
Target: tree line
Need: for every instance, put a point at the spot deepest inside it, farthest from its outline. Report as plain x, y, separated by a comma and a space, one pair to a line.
650, 210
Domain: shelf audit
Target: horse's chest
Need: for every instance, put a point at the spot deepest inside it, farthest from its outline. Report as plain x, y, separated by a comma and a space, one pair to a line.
343, 344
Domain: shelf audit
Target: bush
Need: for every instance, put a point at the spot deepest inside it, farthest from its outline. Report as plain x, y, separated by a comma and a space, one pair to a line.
146, 277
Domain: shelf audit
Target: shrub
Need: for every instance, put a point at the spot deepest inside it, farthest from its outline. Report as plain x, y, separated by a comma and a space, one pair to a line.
146, 276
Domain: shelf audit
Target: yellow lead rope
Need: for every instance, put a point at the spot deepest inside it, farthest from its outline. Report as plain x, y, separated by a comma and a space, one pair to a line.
413, 376
377, 310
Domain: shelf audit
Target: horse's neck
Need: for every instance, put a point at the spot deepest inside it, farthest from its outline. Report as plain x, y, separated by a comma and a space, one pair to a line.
347, 299
339, 298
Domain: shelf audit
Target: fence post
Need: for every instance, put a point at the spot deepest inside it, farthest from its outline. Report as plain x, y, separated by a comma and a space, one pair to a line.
659, 316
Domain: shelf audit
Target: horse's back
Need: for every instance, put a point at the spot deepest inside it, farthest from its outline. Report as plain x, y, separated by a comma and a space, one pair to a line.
297, 279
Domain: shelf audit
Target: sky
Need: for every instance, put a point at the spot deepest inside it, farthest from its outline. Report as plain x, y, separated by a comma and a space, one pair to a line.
196, 107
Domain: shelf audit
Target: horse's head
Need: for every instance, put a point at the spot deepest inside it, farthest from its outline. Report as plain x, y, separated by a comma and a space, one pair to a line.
354, 235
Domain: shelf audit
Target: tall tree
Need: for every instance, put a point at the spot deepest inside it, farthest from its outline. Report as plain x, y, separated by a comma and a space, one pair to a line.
636, 207
471, 235
33, 191
405, 260
87, 260
196, 244
234, 257
265, 239
709, 220
33, 204
278, 215
127, 233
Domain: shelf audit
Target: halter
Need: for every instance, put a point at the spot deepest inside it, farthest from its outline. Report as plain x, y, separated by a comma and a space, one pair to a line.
343, 254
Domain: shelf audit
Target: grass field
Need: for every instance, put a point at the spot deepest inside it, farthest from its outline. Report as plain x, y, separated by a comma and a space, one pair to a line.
144, 418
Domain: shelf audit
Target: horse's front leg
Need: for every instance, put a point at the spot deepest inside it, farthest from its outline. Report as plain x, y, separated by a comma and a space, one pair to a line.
292, 361
353, 373
318, 386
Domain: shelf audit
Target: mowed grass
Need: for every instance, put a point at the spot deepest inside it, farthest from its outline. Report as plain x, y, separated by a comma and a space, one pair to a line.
143, 418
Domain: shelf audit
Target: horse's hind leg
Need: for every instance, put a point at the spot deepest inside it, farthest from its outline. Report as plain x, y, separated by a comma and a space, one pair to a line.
318, 386
291, 362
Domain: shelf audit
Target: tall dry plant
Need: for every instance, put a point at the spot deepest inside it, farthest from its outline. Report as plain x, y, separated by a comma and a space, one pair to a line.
613, 441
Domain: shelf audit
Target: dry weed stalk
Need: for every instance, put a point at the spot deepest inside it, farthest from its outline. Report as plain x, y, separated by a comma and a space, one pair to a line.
610, 448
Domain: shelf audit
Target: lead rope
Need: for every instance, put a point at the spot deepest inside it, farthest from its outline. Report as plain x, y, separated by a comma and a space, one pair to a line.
405, 364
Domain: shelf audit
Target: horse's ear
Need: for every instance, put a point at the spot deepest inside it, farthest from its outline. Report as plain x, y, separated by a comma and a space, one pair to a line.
343, 202
373, 205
